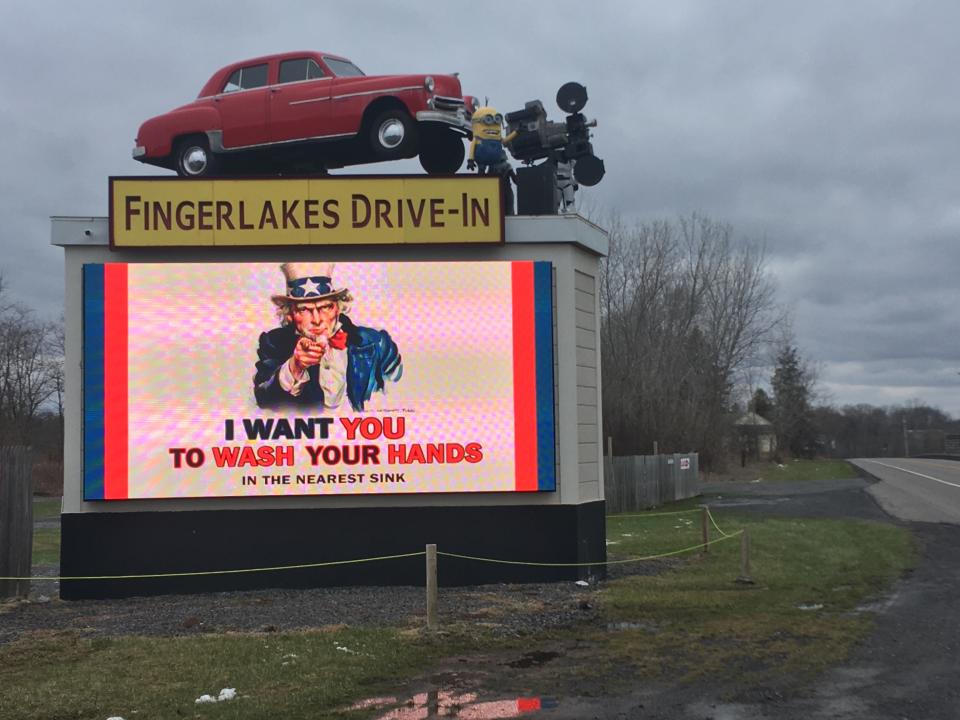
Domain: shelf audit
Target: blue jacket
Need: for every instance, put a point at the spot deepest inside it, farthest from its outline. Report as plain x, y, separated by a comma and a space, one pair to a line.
372, 357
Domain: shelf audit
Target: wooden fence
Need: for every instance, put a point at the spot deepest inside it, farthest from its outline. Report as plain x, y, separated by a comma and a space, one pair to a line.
639, 482
16, 520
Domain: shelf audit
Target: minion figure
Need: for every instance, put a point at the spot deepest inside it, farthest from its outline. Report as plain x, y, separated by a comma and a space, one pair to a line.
487, 155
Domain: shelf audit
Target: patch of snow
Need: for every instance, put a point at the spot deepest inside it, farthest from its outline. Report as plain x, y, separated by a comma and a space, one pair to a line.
225, 694
582, 583
810, 606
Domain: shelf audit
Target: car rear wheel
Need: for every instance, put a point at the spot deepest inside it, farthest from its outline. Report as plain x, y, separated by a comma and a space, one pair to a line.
441, 152
393, 134
194, 158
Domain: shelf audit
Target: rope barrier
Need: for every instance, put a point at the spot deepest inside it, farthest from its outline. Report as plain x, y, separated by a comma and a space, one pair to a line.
698, 546
710, 515
304, 566
646, 515
219, 572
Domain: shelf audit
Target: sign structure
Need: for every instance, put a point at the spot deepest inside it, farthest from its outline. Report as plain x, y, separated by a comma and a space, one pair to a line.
354, 210
252, 380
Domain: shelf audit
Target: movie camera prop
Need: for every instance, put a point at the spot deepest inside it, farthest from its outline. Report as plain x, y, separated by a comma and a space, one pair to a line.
564, 147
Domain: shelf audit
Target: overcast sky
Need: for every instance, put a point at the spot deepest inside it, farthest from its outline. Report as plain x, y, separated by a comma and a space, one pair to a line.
829, 130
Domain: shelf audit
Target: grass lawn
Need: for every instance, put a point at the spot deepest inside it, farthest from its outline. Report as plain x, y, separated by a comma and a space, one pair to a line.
46, 546
690, 623
46, 508
696, 622
290, 676
818, 469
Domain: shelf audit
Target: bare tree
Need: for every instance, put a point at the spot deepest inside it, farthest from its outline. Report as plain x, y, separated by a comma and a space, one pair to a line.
686, 309
26, 382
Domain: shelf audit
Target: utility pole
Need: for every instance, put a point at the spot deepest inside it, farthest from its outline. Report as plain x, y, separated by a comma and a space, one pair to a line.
906, 442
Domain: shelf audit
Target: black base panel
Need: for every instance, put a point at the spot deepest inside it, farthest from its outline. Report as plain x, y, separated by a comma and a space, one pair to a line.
138, 543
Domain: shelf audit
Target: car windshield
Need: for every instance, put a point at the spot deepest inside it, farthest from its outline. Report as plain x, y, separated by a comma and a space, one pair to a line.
343, 68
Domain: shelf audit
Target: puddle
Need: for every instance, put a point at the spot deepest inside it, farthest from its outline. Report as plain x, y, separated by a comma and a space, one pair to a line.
444, 703
880, 604
534, 659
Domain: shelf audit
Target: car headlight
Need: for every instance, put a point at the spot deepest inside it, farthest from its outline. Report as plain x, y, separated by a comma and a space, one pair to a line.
429, 84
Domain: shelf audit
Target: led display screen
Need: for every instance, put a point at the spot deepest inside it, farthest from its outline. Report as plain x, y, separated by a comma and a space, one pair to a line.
309, 378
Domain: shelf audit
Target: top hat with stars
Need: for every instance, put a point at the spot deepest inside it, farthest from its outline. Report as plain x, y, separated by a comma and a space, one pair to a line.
307, 281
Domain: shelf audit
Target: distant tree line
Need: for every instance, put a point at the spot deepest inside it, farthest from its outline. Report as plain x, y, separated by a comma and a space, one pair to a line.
870, 431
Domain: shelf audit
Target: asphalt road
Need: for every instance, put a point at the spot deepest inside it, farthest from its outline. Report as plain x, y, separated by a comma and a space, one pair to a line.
916, 489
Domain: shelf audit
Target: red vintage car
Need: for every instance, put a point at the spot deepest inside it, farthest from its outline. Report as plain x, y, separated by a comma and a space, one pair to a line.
309, 110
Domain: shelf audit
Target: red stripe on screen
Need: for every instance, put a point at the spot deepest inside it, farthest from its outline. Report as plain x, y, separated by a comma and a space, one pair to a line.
524, 377
115, 419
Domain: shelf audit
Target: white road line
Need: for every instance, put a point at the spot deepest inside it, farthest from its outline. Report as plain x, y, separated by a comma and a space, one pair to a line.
912, 472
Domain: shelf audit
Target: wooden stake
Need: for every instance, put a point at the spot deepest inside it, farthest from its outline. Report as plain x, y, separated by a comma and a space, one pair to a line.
705, 528
745, 576
432, 587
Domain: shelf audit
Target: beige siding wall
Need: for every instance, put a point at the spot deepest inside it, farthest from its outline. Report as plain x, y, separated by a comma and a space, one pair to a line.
588, 402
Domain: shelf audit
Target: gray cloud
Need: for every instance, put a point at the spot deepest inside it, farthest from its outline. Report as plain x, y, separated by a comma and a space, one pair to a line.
825, 129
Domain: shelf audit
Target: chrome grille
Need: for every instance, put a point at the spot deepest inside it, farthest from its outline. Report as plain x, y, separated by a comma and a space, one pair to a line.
446, 103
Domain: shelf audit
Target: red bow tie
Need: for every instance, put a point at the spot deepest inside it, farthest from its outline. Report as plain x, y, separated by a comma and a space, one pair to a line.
338, 340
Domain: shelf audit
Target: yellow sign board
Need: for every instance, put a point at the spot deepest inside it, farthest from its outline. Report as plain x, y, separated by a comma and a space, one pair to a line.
355, 210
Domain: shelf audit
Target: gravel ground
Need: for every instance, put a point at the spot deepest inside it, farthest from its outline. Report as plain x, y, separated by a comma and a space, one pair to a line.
556, 605
507, 610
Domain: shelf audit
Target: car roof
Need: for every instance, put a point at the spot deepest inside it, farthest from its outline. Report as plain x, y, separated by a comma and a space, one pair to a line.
213, 85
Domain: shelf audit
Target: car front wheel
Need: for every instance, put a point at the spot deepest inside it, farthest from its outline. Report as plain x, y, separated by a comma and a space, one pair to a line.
194, 158
393, 134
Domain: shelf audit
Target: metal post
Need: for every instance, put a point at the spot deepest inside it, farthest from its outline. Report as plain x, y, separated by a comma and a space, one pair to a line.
656, 448
432, 587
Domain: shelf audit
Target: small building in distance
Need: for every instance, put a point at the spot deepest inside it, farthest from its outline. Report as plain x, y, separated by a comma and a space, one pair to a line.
758, 441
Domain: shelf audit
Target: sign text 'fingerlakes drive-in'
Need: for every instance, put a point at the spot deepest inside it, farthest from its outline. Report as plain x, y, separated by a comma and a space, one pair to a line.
356, 210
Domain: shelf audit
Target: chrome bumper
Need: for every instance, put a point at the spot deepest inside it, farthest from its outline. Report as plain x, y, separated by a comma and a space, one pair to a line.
139, 151
454, 118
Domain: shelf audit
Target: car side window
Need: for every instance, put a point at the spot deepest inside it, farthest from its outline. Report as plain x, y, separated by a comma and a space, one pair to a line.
233, 83
299, 69
246, 78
